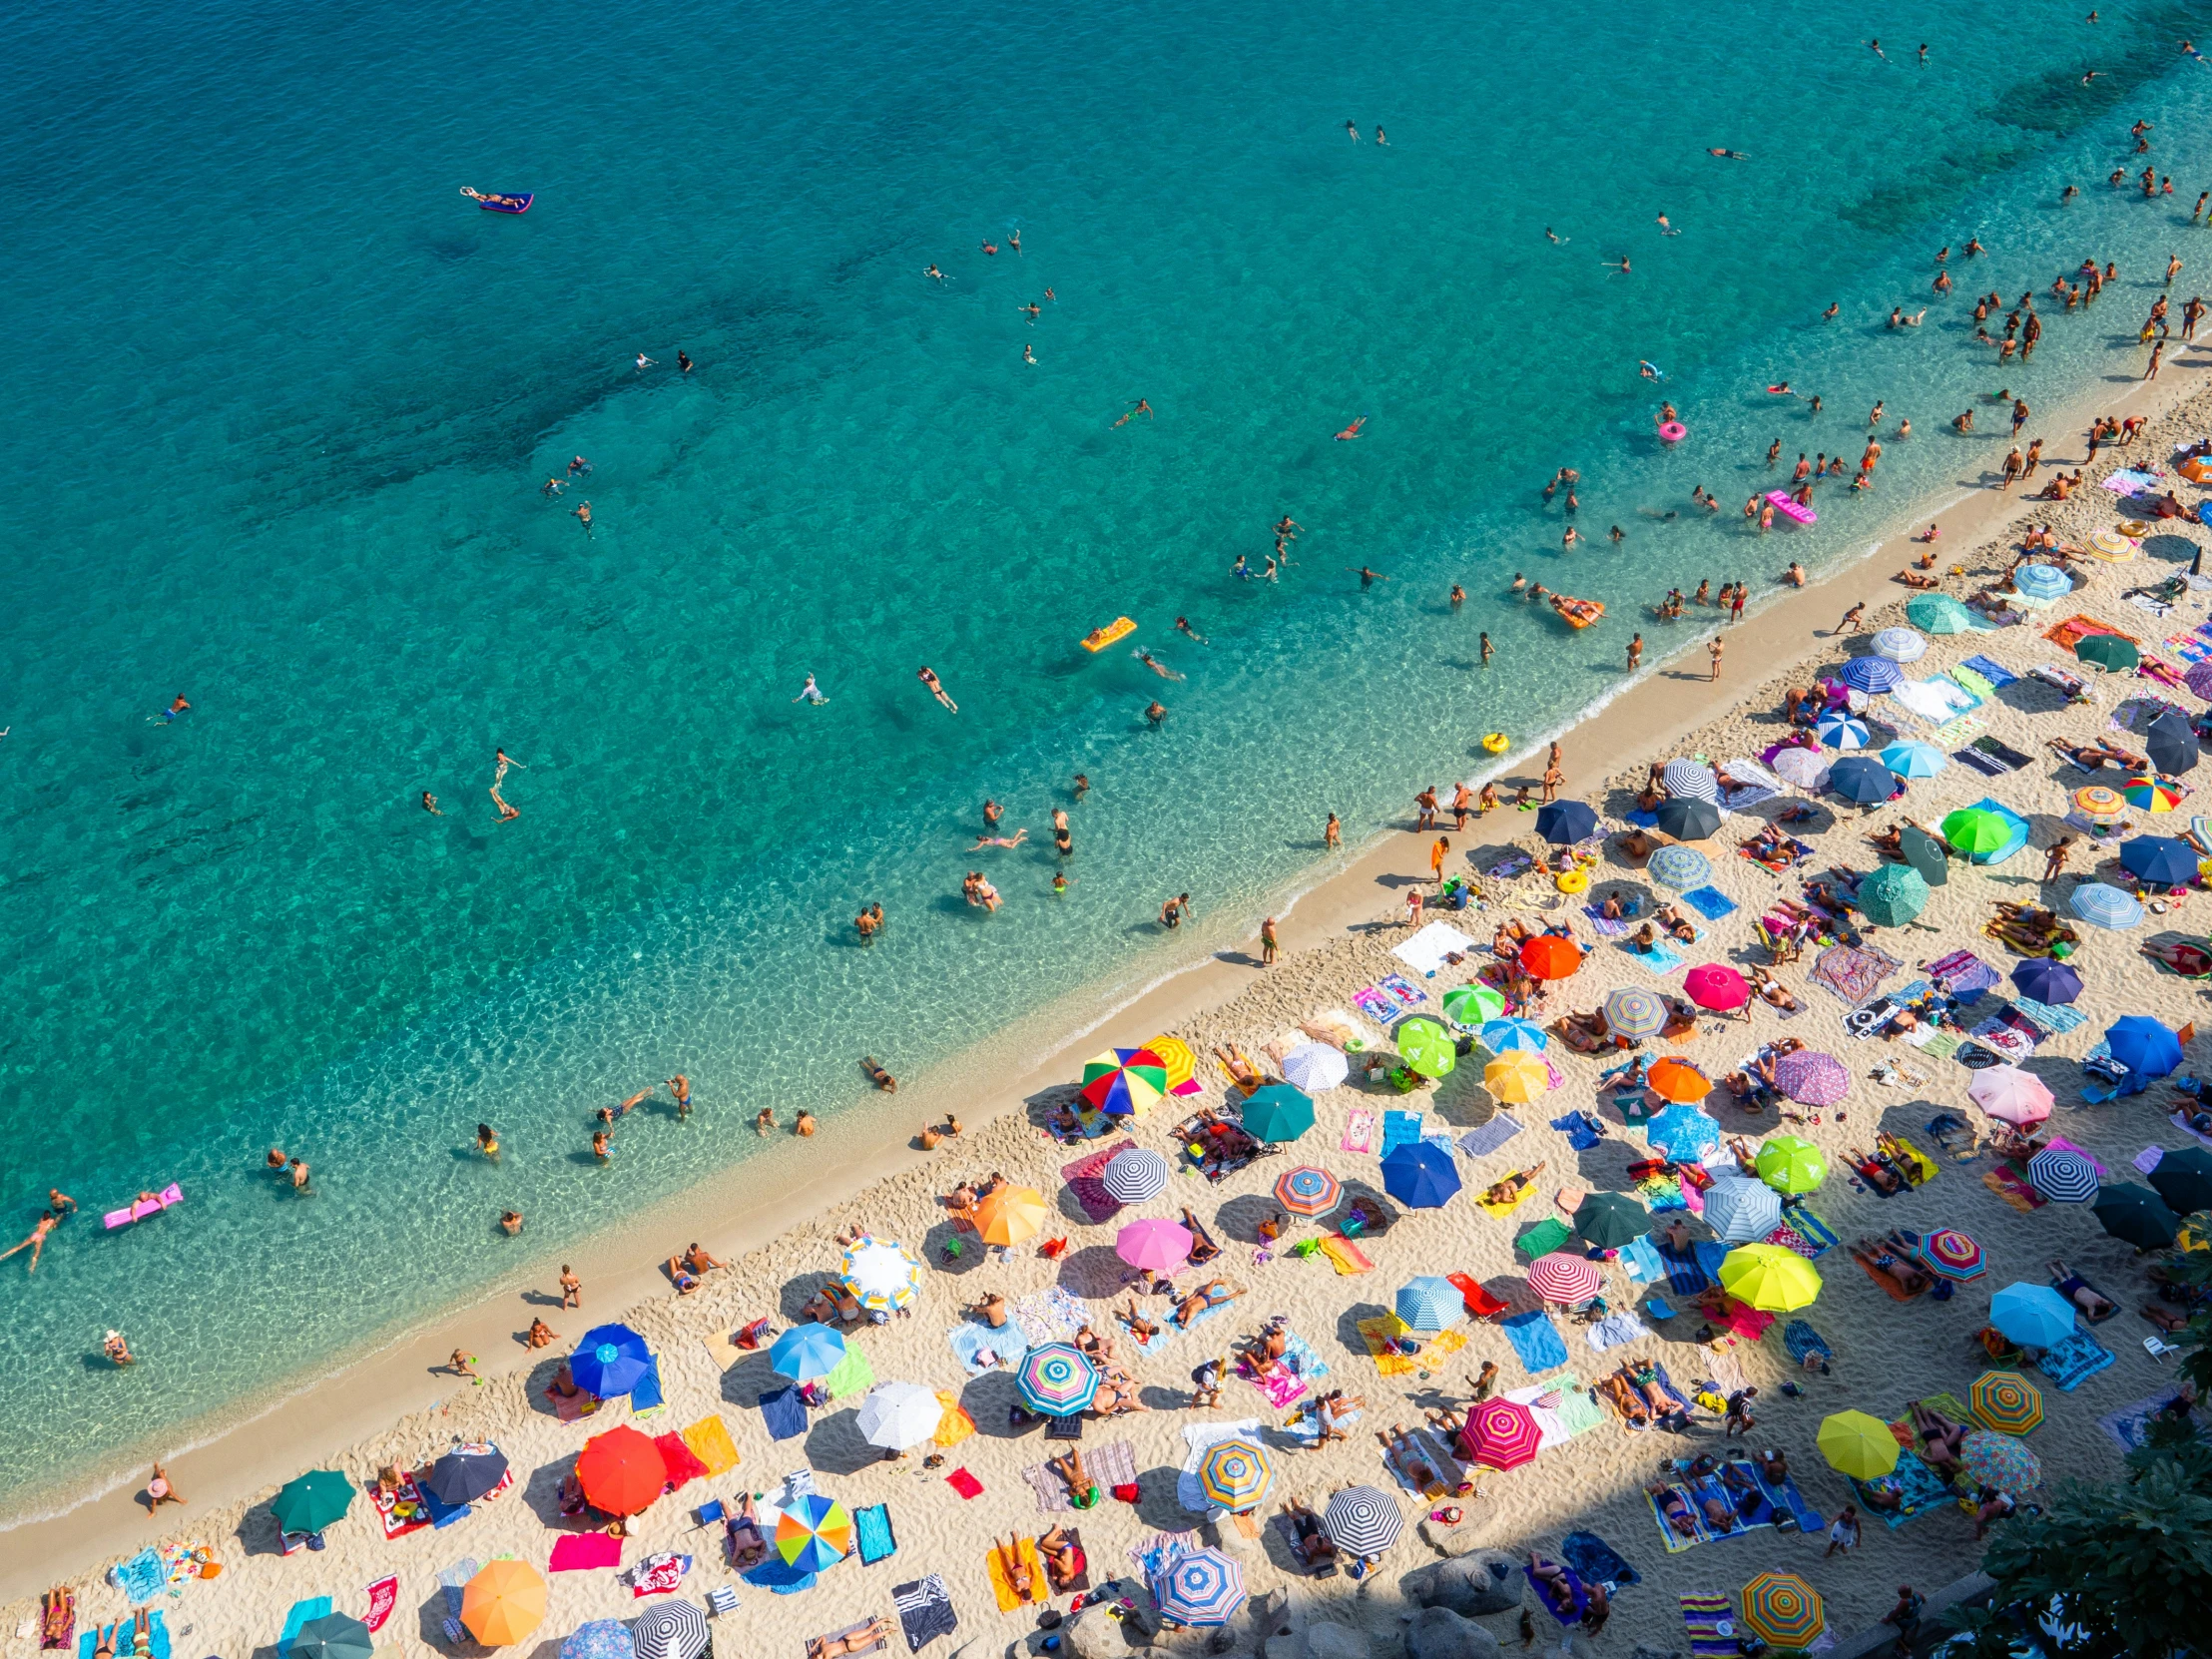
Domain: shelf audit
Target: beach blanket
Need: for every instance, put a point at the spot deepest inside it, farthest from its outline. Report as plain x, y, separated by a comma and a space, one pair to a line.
1803, 1233
1345, 1256
1090, 1192
2075, 1355
1801, 1338
1426, 951
1963, 975
1384, 1331
1744, 1320
1684, 1275
2054, 1021
1640, 1257
679, 1460
1562, 1407
1581, 1132
645, 1394
584, 1551
1919, 1487
1544, 1238
1298, 1368
1535, 1341
1605, 926
1709, 902
1377, 1005
1441, 1456
1597, 1563
1508, 1206
1002, 1587
1110, 1465
1662, 1192
1304, 1423
1854, 972
1485, 1138
1051, 1314
784, 1412
1994, 672
924, 1611
1712, 1624
710, 1443
156, 1633
1578, 1596
2127, 482
1784, 1498
2010, 1182
872, 1528
1935, 700
2129, 1426
1359, 1135
140, 1578
852, 1376
1677, 1542
1618, 1330
1658, 959
660, 1574
972, 1340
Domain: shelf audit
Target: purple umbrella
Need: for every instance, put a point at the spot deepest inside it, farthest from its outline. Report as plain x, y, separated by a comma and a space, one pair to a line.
1811, 1078
2199, 680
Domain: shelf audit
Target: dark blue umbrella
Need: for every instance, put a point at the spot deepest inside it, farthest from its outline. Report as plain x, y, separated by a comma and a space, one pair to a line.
1420, 1176
2166, 860
610, 1361
463, 1476
1689, 820
1564, 822
2171, 743
2046, 982
2143, 1046
1863, 778
2136, 1215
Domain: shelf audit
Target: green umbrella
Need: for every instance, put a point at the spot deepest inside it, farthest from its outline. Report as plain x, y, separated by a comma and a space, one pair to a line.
1611, 1220
1893, 896
1425, 1045
2109, 651
1790, 1165
1938, 613
313, 1502
1277, 1112
333, 1636
1473, 1003
1974, 829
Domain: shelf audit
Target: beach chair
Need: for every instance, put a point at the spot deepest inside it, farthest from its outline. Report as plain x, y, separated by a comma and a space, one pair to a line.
2157, 1348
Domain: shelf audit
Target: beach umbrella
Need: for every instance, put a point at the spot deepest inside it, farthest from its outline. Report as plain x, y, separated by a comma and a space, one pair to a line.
1361, 1520
1689, 820
2104, 906
1741, 1211
896, 1415
670, 1629
1770, 1279
341, 1637
1430, 1303
1162, 1245
1893, 896
1634, 1013
600, 1639
1872, 675
1420, 1175
1135, 1174
1682, 1134
2108, 652
2154, 794
1690, 779
2143, 1046
1199, 1587
1611, 1220
1952, 1253
314, 1500
1548, 956
1811, 1078
621, 1471
1679, 1081
2043, 581
1564, 1276
2060, 1173
1178, 1061
1516, 1078
1938, 613
609, 1361
1858, 1444
1308, 1190
1503, 1434
1503, 1036
2033, 1315
2006, 1401
814, 1534
1802, 766
2199, 679
2166, 860
1974, 829
1473, 1003
2096, 800
2171, 743
1841, 731
1056, 1379
1899, 645
1719, 988
1790, 1165
2117, 547
1124, 1082
464, 1476
1914, 759
1863, 779
807, 1352
1924, 854
1235, 1474
1282, 1113
2010, 1094
1782, 1611
1011, 1216
2183, 1179
1425, 1045
2136, 1215
2041, 980
1316, 1066
2000, 1461
504, 1603
881, 1274
1679, 866
1563, 823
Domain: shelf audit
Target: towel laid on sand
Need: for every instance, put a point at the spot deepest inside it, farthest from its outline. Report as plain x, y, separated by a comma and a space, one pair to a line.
584, 1551
972, 1340
1536, 1340
1485, 1138
1709, 902
924, 1611
1544, 1238
710, 1443
1712, 1623
1618, 1330
1597, 1561
784, 1412
2075, 1355
871, 1526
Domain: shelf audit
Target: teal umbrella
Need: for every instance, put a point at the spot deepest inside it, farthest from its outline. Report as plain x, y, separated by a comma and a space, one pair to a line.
333, 1636
2108, 652
313, 1501
1893, 896
1611, 1220
1277, 1112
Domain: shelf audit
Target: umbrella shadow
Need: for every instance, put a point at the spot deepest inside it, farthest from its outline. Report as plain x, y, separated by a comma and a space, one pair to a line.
754, 1375
539, 1380
835, 1445
258, 1533
1461, 1100
1348, 1324
1382, 1215
1240, 1218
1094, 1273
990, 1399
972, 1247
541, 1493
1157, 1505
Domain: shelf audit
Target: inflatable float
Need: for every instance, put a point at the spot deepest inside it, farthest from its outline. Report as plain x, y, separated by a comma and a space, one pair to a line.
1791, 510
1496, 743
1672, 432
501, 202
170, 1194
1098, 639
1580, 613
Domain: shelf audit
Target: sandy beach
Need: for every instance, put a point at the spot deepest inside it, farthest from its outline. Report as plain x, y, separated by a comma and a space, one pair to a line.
775, 1219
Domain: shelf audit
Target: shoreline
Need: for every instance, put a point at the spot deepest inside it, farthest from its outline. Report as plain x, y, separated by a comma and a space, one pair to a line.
245, 1449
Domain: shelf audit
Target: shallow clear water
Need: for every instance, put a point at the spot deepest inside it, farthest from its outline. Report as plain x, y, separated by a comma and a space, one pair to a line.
281, 401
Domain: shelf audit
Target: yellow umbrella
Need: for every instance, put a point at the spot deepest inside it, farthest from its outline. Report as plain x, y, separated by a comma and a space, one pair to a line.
1175, 1055
1516, 1076
955, 1425
1010, 1216
504, 1603
1859, 1446
1770, 1279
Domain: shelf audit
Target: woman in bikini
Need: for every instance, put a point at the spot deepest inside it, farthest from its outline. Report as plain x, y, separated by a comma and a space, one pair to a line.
1943, 1442
1773, 992
1510, 1189
1063, 1557
1675, 1510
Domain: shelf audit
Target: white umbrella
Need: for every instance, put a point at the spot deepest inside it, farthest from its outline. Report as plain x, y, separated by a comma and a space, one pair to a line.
1690, 779
1802, 766
1314, 1068
1134, 1174
880, 1273
899, 1415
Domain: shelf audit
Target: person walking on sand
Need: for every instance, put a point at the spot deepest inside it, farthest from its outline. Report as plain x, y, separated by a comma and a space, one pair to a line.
1436, 858
1270, 948
463, 1364
160, 1489
1850, 619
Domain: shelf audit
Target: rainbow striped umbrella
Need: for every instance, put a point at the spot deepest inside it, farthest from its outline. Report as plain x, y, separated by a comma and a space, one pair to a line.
2098, 801
1124, 1082
1783, 1610
880, 1273
2006, 1401
1503, 1434
1952, 1253
1635, 1013
1235, 1474
1199, 1587
2154, 794
1308, 1190
814, 1534
1564, 1276
1057, 1380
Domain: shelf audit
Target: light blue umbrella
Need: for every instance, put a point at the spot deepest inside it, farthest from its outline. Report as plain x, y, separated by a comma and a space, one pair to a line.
2035, 1315
1502, 1036
1899, 645
1872, 675
1430, 1303
2043, 581
1682, 1134
1741, 1211
1841, 731
1938, 612
1679, 866
2103, 906
1914, 759
805, 1353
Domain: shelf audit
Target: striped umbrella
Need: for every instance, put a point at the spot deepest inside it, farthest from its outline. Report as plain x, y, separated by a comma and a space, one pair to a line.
1549, 956
1011, 1216
1811, 1078
1783, 1610
1682, 1134
1124, 1082
1690, 779
1952, 1253
814, 1534
1841, 730
1308, 1190
1635, 1013
2060, 1173
1679, 866
2007, 1093
880, 1273
2043, 581
670, 1629
2006, 1401
1235, 1474
2104, 906
1162, 1245
1430, 1303
1872, 675
1899, 645
1178, 1061
1316, 1066
807, 1352
1516, 1077
1136, 1173
1912, 759
1363, 1520
1679, 1081
1717, 987
2000, 1461
1741, 1211
1199, 1587
1501, 1434
1473, 1003
1564, 1276
2096, 800
1057, 1380
2154, 794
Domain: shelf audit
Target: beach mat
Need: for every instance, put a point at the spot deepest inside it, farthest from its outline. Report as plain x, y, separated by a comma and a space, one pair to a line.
709, 1439
645, 1394
1596, 1562
1485, 1138
1347, 1257
1378, 1334
1083, 1179
784, 1412
88, 1642
924, 1611
1708, 1617
1536, 1340
1110, 1465
2074, 1358
584, 1551
1544, 1238
871, 1526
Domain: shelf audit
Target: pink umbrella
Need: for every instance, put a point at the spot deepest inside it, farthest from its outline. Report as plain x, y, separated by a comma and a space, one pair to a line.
1162, 1245
1501, 1434
2007, 1092
1811, 1078
1564, 1276
1719, 988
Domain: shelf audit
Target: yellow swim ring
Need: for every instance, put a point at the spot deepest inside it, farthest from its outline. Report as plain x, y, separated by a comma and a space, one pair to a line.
1496, 743
1573, 880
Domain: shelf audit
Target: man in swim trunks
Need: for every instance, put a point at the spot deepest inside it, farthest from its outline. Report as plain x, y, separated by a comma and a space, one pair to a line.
930, 677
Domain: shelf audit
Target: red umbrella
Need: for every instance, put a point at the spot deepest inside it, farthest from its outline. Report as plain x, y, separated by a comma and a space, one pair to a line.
1564, 1276
1719, 988
1501, 1434
1548, 956
621, 1471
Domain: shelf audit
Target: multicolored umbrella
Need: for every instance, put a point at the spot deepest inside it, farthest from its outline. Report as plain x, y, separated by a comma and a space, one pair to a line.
1682, 1134
2006, 1401
1175, 1054
1952, 1253
1124, 1082
1974, 829
1308, 1190
1790, 1165
504, 1603
1841, 731
1564, 1278
1363, 1520
1162, 1245
1770, 1279
1794, 764
1899, 645
1783, 1610
2154, 794
1548, 956
1741, 1211
1235, 1474
1425, 1045
1811, 1078
814, 1534
1473, 1003
2033, 1315
1858, 1444
609, 1361
880, 1273
1679, 1081
2060, 1173
2199, 679
1420, 1175
1011, 1216
621, 1471
1430, 1303
807, 1352
899, 1415
1057, 1380
1316, 1066
313, 1501
1504, 1036
2001, 1461
1135, 1174
1681, 867
600, 1639
2010, 1095
1501, 1434
670, 1629
1517, 1077
1611, 1220
1635, 1013
1717, 987
1690, 779
1279, 1112
1199, 1587
2102, 905
2096, 800
1893, 896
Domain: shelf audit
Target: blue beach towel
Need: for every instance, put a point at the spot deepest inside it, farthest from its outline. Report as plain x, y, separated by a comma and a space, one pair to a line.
142, 1577
88, 1641
1486, 1138
970, 1338
1596, 1562
784, 1412
645, 1394
1399, 1129
779, 1577
1684, 1275
1659, 959
441, 1513
1786, 1498
874, 1528
1536, 1340
2075, 1355
1641, 1258
2056, 1020
1710, 1256
1709, 902
1801, 1338
1993, 671
1579, 1134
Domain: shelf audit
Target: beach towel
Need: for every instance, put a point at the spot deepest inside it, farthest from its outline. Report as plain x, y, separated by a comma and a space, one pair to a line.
1803, 1234
2054, 1021
2129, 1426
1051, 1314
1579, 1595
1535, 1341
972, 1340
645, 1394
1426, 951
852, 1376
709, 1439
779, 1577
1562, 1407
1288, 1382
157, 1632
1110, 1465
1709, 902
319, 1607
677, 1457
1304, 1423
1990, 669
1662, 1192
1854, 972
1287, 1528
846, 1639
1618, 1330
1919, 1487
1359, 1135
1707, 1617
1544, 1238
660, 1574
924, 1611
872, 1528
140, 1578
1347, 1257
1684, 1275
1747, 1509
1963, 975
1744, 1320
1485, 1138
2009, 1184
1801, 1338
1640, 1258
1658, 959
1580, 1132
1597, 1563
1440, 1457
1399, 1129
1002, 1589
2075, 1355
1382, 1334
584, 1551
1605, 926
1378, 1004
2181, 1123
1786, 1498
784, 1412
1675, 1541
1091, 1196
1935, 700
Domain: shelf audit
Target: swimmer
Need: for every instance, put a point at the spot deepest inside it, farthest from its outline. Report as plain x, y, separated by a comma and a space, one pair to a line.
934, 272
487, 1141
1622, 261
552, 486
1153, 663
582, 515
990, 247
1665, 229
810, 693
930, 677
1367, 578
1031, 311
175, 708
1015, 840
578, 466
1557, 239
678, 1086
1183, 626
36, 1242
1287, 528
1728, 155
1014, 241
683, 363
645, 363
1156, 711
1352, 431
430, 805
1876, 46
1028, 356
1351, 131
1649, 370
1140, 407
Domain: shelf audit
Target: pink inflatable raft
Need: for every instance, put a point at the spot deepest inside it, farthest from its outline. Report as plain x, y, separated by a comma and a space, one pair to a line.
1791, 510
1672, 432
154, 1206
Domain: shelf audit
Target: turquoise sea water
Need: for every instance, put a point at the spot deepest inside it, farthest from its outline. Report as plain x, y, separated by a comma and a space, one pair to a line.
281, 401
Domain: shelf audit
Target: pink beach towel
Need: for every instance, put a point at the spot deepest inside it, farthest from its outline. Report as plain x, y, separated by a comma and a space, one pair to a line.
1281, 1388
581, 1552
1359, 1133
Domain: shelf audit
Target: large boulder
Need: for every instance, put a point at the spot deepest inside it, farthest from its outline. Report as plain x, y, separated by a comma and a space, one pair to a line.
1318, 1641
1439, 1633
1092, 1636
1478, 1582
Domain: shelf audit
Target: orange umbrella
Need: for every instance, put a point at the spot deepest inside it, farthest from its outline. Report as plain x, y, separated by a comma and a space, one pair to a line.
1679, 1081
621, 1471
1011, 1216
505, 1602
1548, 956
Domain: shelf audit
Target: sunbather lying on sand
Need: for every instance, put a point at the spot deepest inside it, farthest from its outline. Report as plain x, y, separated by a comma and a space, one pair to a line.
2090, 756
1069, 1467
1773, 992
1624, 1397
2075, 1289
1212, 1294
1943, 1442
873, 1634
1063, 1558
1675, 1508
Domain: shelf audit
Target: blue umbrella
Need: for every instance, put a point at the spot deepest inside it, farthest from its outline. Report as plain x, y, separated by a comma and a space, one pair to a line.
1564, 822
1679, 866
2035, 1315
807, 1352
1872, 675
1864, 779
2064, 1174
2043, 581
1502, 1036
1420, 1175
464, 1476
1841, 731
1912, 759
2043, 980
610, 1361
2103, 906
1199, 1587
1682, 1134
1900, 645
1430, 1303
600, 1639
2143, 1046
2166, 860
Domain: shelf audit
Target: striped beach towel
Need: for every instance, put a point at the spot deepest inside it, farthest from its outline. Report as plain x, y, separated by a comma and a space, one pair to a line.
924, 1611
1706, 1615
